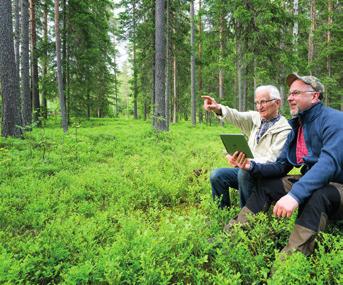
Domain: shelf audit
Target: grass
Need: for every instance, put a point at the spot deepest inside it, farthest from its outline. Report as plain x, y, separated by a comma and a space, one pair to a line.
114, 202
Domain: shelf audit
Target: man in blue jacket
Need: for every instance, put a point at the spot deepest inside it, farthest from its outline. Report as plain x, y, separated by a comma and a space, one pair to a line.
316, 145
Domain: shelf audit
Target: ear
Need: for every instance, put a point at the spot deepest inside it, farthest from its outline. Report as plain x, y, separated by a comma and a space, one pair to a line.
315, 97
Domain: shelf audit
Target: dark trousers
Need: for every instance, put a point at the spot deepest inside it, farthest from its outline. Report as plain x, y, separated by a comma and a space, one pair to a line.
325, 203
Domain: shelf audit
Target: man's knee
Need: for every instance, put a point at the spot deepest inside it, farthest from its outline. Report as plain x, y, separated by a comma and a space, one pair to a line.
243, 175
327, 199
319, 207
328, 195
215, 175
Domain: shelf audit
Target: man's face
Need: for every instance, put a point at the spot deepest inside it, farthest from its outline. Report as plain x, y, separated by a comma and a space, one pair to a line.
301, 97
267, 107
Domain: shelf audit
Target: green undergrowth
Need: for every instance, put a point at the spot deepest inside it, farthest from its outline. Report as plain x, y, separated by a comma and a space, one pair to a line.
114, 202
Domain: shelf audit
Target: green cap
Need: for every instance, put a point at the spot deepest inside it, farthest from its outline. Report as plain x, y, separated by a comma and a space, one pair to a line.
310, 80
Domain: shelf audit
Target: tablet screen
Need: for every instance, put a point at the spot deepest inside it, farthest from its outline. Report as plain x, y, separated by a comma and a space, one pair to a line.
236, 142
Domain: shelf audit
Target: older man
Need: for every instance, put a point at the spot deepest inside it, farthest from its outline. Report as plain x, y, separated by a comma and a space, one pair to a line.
267, 131
315, 145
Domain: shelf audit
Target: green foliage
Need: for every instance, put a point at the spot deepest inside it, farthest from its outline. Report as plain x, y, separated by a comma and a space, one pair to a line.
114, 202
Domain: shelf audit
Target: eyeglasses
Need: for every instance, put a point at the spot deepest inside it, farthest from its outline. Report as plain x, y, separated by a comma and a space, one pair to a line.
298, 92
263, 102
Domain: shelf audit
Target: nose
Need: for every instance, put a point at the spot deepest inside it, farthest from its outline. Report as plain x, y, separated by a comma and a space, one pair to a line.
290, 97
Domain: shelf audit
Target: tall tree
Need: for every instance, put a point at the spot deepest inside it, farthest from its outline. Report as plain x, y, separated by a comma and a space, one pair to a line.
174, 85
240, 68
328, 43
193, 98
311, 33
167, 90
65, 57
25, 65
59, 69
134, 55
221, 54
17, 35
296, 23
200, 85
45, 60
17, 56
8, 75
160, 54
34, 62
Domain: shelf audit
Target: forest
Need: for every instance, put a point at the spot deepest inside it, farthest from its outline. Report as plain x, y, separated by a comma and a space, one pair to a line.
61, 57
106, 149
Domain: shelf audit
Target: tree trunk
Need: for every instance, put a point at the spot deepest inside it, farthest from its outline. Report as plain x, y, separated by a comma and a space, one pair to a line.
245, 84
221, 56
17, 59
193, 99
64, 44
167, 96
34, 62
116, 100
67, 87
328, 43
311, 33
159, 115
281, 78
174, 86
65, 59
135, 88
59, 69
88, 104
25, 65
153, 97
145, 109
200, 85
8, 74
239, 75
17, 37
45, 61
296, 25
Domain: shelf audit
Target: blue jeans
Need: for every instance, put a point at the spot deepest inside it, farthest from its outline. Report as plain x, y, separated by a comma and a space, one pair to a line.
224, 178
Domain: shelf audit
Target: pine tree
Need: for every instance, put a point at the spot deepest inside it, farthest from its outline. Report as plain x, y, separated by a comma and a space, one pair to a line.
8, 73
160, 116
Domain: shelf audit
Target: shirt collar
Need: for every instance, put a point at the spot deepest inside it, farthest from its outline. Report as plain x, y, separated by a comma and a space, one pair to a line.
271, 120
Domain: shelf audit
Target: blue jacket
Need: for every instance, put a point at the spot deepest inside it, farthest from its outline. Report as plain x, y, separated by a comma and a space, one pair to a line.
323, 133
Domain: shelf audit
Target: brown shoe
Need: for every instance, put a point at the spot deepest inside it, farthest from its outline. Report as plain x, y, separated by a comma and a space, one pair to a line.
241, 218
301, 239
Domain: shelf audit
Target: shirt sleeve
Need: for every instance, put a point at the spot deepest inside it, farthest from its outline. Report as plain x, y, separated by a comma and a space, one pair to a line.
242, 120
273, 169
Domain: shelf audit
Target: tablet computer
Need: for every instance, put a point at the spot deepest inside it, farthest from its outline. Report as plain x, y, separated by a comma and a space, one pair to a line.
236, 142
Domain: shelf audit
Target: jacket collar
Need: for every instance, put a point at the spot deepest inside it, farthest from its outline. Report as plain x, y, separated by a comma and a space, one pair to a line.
309, 114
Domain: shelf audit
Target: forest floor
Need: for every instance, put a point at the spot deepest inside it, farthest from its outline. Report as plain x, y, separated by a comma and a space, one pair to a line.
114, 202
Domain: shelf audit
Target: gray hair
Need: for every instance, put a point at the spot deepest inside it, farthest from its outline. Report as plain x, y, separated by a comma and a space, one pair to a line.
273, 92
